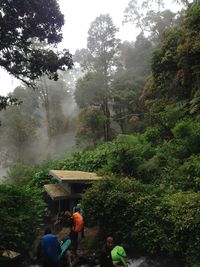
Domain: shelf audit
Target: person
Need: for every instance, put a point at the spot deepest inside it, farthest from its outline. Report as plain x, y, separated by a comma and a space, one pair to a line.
79, 209
111, 255
105, 256
49, 249
75, 222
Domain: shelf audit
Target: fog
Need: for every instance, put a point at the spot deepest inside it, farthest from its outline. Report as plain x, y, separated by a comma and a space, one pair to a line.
46, 125
43, 126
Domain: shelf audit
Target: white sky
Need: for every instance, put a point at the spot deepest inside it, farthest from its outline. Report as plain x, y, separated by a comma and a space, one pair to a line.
78, 16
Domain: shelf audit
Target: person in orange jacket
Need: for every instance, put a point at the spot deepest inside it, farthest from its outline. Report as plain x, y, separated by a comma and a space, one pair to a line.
79, 209
75, 221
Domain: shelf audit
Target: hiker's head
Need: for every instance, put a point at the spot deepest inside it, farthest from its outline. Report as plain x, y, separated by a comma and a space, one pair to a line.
76, 209
67, 214
47, 230
109, 241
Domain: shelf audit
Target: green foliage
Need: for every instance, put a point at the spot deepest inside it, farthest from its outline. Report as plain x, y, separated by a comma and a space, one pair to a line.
195, 103
89, 160
170, 115
17, 132
182, 210
190, 172
102, 45
154, 212
192, 18
153, 135
91, 126
21, 217
18, 55
41, 178
187, 133
151, 198
145, 217
21, 52
175, 63
20, 174
127, 154
128, 83
125, 92
99, 60
89, 90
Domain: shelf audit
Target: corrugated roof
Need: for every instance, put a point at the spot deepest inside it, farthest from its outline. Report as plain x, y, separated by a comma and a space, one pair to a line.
74, 176
56, 191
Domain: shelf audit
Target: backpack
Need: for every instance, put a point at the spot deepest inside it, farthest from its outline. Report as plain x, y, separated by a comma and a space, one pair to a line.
118, 254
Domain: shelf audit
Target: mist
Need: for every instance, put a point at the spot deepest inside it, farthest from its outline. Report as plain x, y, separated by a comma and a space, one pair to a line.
43, 126
57, 115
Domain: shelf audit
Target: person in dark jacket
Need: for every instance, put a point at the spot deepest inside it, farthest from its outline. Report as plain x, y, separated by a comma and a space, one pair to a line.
49, 249
105, 256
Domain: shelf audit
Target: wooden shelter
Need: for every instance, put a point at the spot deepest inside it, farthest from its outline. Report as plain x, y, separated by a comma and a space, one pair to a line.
70, 186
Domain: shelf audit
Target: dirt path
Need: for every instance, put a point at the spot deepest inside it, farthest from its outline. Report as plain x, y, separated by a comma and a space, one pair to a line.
84, 244
85, 255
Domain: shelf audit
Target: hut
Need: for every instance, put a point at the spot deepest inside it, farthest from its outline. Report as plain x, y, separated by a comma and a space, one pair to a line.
71, 184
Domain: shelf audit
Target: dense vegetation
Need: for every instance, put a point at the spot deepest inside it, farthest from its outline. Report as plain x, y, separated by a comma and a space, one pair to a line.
149, 196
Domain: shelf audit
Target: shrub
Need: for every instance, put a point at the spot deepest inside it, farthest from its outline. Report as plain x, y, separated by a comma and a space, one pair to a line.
21, 217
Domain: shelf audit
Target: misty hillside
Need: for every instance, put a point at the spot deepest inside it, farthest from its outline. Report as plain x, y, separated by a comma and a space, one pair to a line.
126, 110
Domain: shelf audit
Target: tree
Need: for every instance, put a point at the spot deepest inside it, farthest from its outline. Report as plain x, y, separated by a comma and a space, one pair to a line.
185, 2
89, 90
99, 58
102, 45
53, 96
175, 63
91, 122
128, 109
149, 20
136, 11
136, 56
23, 25
19, 126
128, 83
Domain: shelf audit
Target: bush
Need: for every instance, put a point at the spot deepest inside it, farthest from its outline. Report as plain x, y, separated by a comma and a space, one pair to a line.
21, 217
145, 217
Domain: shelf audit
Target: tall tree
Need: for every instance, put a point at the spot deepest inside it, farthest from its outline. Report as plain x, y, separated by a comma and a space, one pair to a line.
129, 82
53, 95
24, 23
102, 46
